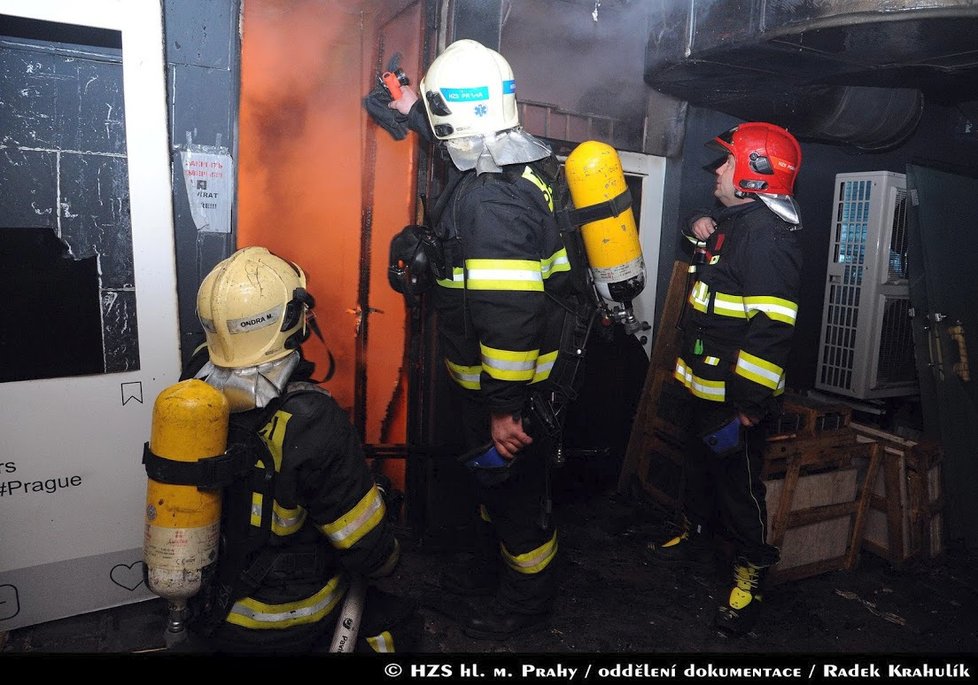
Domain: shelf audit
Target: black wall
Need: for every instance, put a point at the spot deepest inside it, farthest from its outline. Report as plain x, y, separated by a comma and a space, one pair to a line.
203, 54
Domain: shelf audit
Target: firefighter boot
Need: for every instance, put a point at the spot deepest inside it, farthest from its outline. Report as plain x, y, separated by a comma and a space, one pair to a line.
743, 602
478, 573
492, 621
692, 547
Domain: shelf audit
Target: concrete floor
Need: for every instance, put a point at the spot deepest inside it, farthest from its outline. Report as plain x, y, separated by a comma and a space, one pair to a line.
612, 601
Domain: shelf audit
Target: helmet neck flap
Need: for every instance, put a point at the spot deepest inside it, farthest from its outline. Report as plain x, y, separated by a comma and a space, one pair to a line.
252, 386
490, 152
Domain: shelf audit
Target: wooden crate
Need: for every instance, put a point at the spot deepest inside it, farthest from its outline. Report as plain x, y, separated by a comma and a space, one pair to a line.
660, 469
905, 520
817, 498
805, 416
825, 451
669, 416
811, 543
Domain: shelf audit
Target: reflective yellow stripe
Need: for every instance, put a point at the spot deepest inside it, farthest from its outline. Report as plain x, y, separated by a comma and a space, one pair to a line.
701, 387
729, 305
699, 297
466, 376
251, 613
547, 191
360, 520
556, 263
456, 281
533, 561
758, 370
508, 365
484, 513
284, 521
273, 435
545, 364
711, 361
776, 308
504, 274
391, 562
383, 643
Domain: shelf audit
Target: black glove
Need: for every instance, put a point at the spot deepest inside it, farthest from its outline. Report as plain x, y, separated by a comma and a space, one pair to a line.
388, 119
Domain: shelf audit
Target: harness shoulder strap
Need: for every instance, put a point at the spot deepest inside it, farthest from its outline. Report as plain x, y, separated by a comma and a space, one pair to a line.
244, 556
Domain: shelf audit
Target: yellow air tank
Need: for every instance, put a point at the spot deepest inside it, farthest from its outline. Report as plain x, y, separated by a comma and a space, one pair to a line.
614, 253
190, 423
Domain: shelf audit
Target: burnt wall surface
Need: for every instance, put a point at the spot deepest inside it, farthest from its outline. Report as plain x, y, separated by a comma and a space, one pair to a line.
69, 293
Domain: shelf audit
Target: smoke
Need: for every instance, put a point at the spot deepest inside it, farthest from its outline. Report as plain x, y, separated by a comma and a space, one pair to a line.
589, 66
300, 149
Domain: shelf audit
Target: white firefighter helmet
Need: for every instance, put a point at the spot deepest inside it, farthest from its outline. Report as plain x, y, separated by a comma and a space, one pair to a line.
253, 307
469, 90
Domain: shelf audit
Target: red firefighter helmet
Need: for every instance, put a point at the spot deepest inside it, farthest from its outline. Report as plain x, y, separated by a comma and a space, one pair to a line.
767, 159
767, 156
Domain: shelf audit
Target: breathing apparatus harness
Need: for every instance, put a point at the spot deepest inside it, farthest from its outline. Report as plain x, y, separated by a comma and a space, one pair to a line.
247, 553
419, 257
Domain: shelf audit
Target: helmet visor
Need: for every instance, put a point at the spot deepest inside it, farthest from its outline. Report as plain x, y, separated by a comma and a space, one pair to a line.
437, 103
301, 299
723, 143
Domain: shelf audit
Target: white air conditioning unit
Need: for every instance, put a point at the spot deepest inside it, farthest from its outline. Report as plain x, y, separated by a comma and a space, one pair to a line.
866, 343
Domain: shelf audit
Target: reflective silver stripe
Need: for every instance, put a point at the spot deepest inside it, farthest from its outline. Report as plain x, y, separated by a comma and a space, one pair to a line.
700, 387
729, 305
468, 377
556, 263
699, 297
250, 613
456, 281
533, 561
759, 370
545, 364
503, 274
775, 308
345, 531
382, 644
508, 365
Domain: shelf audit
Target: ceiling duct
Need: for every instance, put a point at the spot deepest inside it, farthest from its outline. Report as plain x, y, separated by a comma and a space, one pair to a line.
851, 72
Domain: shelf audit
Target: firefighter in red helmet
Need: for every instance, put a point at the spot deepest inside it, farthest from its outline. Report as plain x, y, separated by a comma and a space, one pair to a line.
737, 330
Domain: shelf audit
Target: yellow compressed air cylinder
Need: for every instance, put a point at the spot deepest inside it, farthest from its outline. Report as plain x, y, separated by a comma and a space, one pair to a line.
594, 176
190, 422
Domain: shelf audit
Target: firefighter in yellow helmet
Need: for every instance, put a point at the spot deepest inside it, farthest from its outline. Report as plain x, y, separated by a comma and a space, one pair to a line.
504, 288
305, 519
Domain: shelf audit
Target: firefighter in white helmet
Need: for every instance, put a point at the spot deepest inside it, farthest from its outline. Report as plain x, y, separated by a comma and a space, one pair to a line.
503, 286
306, 515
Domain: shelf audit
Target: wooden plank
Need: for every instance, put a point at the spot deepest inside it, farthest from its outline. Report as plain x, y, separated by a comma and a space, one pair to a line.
820, 505
855, 543
665, 348
817, 416
806, 570
894, 509
904, 519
